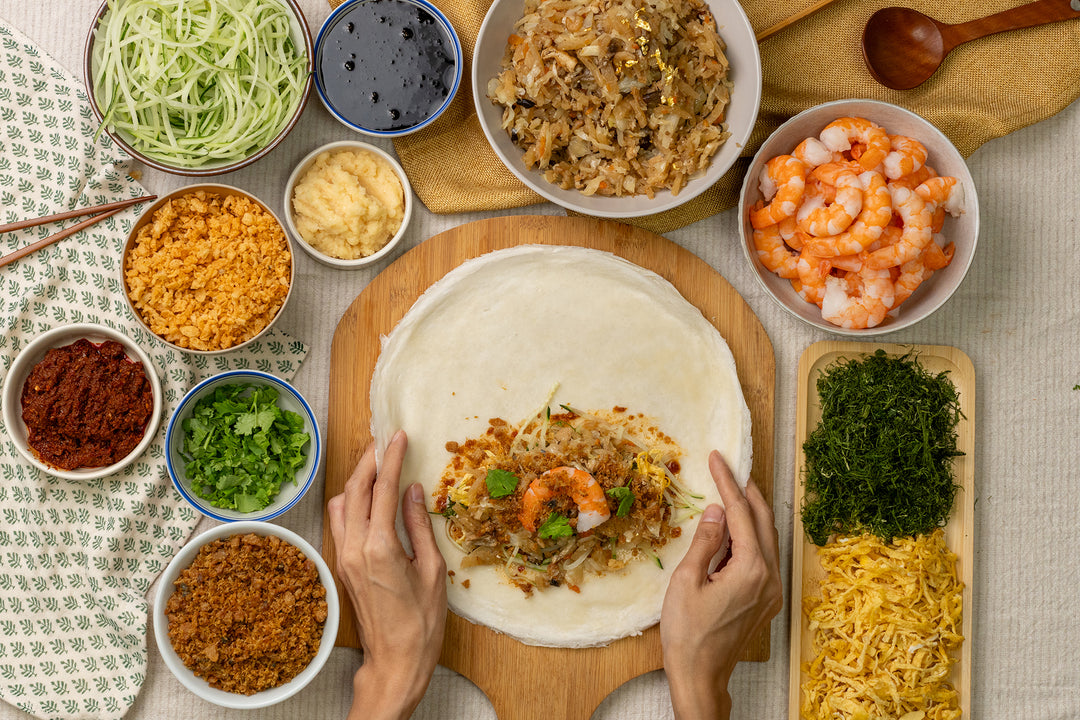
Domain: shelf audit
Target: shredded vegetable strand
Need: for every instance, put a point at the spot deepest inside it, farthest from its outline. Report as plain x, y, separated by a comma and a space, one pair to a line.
191, 82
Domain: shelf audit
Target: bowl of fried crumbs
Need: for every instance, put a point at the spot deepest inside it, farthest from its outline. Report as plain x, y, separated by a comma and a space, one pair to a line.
207, 268
246, 614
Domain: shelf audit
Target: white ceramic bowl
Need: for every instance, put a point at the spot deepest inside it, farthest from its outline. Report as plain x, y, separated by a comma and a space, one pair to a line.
742, 53
33, 353
147, 217
309, 160
197, 685
301, 37
942, 156
288, 399
326, 53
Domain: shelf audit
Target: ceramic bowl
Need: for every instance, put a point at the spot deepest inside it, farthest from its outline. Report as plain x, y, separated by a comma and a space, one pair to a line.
942, 156
742, 53
301, 37
389, 69
298, 173
199, 686
32, 354
288, 399
147, 218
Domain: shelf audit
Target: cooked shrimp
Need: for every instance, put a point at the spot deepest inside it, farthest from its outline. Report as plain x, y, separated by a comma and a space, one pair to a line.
813, 272
859, 300
868, 226
820, 218
943, 192
861, 139
906, 155
915, 179
813, 153
912, 273
774, 253
937, 257
793, 236
915, 233
582, 488
782, 183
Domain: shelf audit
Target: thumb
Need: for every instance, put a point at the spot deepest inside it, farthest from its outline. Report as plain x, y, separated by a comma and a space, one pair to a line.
418, 526
710, 538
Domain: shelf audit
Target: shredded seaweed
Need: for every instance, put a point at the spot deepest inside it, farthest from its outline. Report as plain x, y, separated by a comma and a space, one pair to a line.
880, 460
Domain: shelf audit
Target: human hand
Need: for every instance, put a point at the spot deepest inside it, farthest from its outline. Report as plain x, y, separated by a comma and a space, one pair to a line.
400, 602
708, 618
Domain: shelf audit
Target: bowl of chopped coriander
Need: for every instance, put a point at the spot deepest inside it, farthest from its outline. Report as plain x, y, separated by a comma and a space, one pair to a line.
243, 445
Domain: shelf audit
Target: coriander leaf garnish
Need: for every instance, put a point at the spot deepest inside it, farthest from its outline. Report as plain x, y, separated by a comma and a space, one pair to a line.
500, 483
625, 496
556, 526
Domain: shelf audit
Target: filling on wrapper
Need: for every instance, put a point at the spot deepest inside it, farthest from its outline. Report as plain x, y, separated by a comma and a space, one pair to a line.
563, 496
615, 97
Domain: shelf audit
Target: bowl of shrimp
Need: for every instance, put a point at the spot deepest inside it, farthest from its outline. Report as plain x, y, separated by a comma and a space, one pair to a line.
859, 217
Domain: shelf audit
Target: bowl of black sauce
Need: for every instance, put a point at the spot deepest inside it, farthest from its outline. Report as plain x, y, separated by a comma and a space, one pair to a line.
387, 67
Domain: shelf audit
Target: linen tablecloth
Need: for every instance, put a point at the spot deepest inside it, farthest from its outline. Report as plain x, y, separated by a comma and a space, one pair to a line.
1017, 315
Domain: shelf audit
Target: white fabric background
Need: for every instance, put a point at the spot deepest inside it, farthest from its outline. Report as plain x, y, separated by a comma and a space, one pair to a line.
1017, 316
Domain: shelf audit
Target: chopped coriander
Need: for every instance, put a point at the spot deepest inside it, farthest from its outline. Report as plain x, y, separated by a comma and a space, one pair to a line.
880, 460
240, 447
625, 496
556, 526
500, 483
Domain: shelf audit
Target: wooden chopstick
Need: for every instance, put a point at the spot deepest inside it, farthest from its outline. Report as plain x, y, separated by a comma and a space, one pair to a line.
32, 247
768, 32
120, 204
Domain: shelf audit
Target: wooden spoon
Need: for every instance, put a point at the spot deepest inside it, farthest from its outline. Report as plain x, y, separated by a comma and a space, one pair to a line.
902, 47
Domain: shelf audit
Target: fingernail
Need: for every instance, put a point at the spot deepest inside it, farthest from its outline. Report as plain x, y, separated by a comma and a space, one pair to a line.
713, 514
416, 493
397, 436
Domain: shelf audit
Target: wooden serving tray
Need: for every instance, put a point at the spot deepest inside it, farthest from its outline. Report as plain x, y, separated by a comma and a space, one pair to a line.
806, 571
562, 683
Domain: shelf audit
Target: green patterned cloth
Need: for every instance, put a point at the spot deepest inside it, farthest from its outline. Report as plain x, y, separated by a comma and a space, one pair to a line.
78, 557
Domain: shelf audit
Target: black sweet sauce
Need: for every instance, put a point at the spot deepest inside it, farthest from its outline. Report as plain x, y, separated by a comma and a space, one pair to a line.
386, 65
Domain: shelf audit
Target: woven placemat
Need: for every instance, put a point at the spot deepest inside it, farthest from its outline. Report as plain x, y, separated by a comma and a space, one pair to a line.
985, 89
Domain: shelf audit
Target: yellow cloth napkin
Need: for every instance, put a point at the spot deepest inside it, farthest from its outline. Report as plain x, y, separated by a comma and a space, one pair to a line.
985, 89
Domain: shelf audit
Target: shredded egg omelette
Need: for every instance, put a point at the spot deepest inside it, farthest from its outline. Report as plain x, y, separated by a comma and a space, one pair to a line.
885, 629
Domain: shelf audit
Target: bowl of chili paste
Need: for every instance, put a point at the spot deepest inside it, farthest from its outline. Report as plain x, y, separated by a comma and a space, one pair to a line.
82, 401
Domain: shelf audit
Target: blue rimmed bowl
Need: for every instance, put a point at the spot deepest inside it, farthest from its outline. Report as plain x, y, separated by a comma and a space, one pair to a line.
387, 68
288, 399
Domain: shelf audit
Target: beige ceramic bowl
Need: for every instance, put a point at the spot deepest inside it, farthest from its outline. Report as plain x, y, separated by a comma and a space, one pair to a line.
742, 52
301, 37
942, 156
32, 354
298, 173
147, 217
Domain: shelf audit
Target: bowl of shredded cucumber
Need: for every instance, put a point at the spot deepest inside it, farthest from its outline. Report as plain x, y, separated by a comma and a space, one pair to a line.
198, 88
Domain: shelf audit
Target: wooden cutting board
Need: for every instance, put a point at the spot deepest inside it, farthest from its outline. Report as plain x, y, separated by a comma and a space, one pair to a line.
525, 682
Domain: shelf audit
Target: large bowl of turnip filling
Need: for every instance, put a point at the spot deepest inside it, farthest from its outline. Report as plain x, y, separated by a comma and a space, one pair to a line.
198, 89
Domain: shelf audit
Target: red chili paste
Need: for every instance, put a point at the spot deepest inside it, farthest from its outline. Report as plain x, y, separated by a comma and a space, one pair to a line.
86, 405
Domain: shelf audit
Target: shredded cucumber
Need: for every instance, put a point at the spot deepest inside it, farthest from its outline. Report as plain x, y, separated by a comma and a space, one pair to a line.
196, 82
